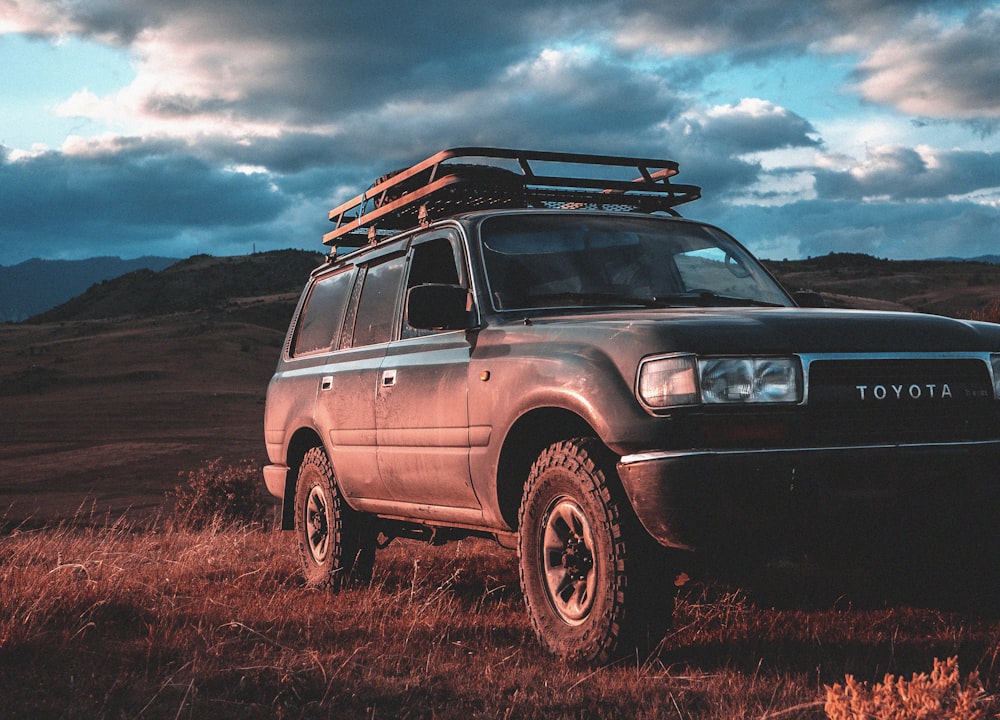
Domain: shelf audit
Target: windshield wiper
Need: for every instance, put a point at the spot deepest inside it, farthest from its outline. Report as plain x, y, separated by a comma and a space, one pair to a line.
691, 298
707, 298
596, 299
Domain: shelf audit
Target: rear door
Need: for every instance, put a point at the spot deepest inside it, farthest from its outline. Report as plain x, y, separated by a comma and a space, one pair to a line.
345, 408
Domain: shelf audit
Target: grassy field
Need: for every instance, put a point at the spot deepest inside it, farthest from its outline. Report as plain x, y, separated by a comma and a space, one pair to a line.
120, 611
113, 619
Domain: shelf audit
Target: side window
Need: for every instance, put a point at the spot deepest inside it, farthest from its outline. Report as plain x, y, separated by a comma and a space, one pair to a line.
319, 323
376, 314
433, 261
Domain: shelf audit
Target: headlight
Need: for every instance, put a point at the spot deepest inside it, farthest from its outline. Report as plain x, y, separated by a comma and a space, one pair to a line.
995, 362
686, 380
743, 380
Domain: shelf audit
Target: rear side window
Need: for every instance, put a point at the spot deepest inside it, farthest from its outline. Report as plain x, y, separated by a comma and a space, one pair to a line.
376, 315
319, 324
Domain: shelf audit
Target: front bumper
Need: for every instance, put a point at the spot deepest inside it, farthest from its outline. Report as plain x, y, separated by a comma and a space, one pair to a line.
779, 501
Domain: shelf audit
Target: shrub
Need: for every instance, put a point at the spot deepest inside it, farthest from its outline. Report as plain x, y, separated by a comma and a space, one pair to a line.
215, 494
941, 696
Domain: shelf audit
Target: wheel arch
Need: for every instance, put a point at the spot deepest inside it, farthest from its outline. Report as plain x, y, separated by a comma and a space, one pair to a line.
304, 440
527, 438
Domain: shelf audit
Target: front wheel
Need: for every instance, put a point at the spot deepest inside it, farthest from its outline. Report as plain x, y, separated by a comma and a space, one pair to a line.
588, 569
336, 544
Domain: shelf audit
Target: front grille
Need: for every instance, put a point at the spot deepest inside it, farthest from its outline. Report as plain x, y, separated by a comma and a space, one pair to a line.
900, 401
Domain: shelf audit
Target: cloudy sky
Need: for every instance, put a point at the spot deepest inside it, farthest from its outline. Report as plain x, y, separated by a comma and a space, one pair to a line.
144, 127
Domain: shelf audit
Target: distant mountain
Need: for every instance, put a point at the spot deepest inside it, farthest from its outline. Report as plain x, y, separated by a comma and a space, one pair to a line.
35, 286
993, 259
259, 288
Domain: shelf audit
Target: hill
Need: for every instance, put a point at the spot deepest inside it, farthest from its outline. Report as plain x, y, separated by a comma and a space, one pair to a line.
200, 283
108, 397
945, 287
34, 286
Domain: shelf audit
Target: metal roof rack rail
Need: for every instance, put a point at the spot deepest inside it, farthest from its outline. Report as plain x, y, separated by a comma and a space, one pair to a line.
438, 187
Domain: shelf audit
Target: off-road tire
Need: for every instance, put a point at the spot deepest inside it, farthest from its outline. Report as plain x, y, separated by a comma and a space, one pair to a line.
596, 586
336, 544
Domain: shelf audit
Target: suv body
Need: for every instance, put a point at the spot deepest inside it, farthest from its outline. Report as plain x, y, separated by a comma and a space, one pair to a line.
605, 390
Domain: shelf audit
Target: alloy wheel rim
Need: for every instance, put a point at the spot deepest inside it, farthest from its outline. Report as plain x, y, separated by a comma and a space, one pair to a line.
317, 525
568, 560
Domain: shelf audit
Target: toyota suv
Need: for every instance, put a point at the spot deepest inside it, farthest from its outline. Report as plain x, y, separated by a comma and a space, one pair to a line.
535, 347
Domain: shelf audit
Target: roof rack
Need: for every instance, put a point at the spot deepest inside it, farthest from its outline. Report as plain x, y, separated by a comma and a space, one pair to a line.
437, 188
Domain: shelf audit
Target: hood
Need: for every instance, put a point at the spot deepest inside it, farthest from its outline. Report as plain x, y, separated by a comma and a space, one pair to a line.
781, 331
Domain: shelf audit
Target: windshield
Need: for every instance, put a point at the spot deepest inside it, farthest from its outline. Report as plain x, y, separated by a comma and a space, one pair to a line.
536, 261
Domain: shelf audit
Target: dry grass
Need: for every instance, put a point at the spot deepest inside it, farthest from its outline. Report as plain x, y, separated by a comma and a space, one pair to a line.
122, 620
988, 313
943, 695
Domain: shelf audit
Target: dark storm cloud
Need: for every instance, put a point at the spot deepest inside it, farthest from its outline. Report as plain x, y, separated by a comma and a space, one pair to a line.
900, 173
177, 105
285, 154
905, 230
559, 100
746, 29
715, 149
753, 29
753, 126
909, 59
720, 176
930, 229
308, 61
110, 21
106, 201
321, 98
131, 187
939, 72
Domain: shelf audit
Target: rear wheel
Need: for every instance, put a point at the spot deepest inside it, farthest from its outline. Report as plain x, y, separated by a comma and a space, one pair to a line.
336, 544
596, 586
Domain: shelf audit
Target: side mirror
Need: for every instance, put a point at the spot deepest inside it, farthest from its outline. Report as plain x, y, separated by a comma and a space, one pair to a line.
809, 299
437, 307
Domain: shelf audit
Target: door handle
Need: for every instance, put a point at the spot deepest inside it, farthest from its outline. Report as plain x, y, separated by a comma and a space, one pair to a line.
388, 378
326, 383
